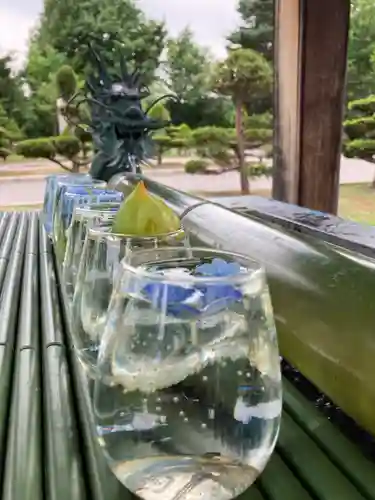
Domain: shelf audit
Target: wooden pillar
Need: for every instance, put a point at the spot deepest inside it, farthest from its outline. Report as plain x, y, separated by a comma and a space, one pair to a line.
311, 38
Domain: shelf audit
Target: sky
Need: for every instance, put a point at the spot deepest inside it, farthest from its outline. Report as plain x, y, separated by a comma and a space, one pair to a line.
210, 20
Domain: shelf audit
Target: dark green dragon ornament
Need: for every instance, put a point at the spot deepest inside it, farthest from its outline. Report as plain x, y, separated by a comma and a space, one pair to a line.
120, 126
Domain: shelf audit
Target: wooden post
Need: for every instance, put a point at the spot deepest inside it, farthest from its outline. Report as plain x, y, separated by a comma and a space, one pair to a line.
311, 38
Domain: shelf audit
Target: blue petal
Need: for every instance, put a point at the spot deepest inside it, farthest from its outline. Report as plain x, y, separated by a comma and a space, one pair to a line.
219, 267
206, 269
232, 269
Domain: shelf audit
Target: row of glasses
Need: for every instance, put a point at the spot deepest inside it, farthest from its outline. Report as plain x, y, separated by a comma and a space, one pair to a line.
70, 198
54, 183
181, 349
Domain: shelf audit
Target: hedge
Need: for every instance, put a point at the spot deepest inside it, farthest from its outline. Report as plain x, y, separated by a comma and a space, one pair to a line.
36, 148
356, 128
366, 105
49, 147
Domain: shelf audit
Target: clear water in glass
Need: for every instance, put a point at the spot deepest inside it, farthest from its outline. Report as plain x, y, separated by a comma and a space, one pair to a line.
83, 218
101, 255
187, 396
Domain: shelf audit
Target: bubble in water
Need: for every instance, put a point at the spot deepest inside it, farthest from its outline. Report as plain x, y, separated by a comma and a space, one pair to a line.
211, 413
204, 425
176, 399
205, 378
158, 408
186, 419
239, 373
182, 413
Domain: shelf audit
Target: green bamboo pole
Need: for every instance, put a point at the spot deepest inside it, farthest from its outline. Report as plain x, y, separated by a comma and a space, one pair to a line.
64, 468
11, 252
340, 450
310, 464
279, 482
23, 469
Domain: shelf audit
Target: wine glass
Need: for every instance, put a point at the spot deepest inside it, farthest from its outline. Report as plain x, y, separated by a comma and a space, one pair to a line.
101, 255
83, 218
53, 183
71, 197
187, 396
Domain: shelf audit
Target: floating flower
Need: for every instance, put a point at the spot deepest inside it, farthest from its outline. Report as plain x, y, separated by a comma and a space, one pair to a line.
202, 299
219, 267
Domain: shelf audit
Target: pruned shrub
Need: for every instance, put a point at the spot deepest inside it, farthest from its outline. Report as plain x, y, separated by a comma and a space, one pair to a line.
36, 148
213, 142
53, 148
256, 170
197, 166
262, 121
65, 145
165, 142
359, 127
360, 148
366, 105
66, 81
256, 137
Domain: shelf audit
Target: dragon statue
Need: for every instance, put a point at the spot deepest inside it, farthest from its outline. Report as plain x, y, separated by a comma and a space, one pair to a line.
120, 126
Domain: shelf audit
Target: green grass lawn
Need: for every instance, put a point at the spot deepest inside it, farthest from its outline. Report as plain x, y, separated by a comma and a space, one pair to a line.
357, 202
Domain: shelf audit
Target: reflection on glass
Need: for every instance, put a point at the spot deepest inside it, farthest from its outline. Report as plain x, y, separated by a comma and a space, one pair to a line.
102, 253
187, 396
82, 219
71, 197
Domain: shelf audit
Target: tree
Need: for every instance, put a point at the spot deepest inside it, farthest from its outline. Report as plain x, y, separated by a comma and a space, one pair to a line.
42, 64
360, 130
68, 27
244, 75
13, 131
188, 67
5, 139
209, 110
256, 31
12, 98
76, 117
189, 75
220, 146
361, 50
